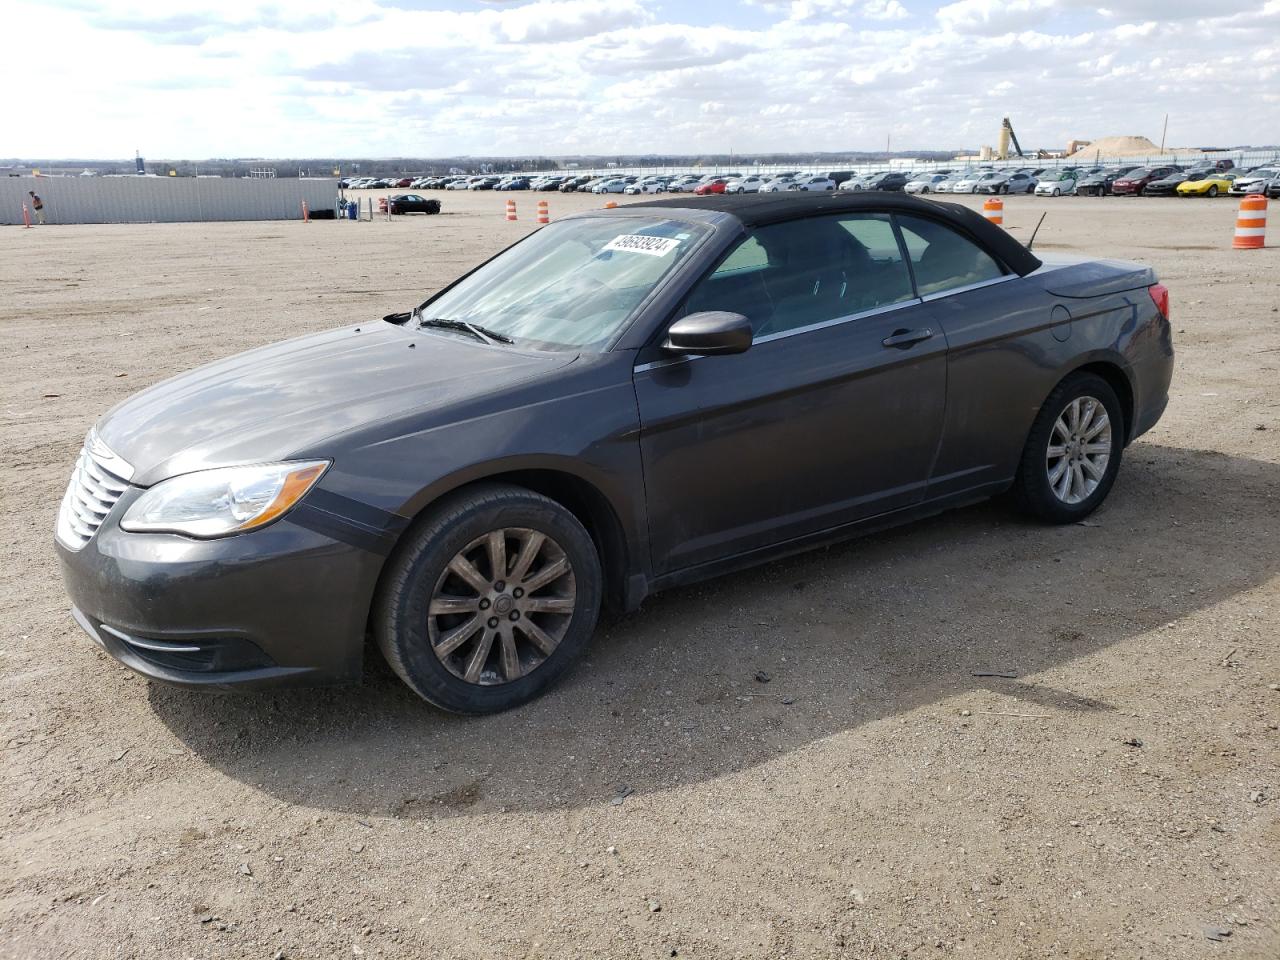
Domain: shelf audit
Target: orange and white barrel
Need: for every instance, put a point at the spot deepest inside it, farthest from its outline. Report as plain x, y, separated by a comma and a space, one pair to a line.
1251, 223
511, 210
544, 212
611, 204
993, 210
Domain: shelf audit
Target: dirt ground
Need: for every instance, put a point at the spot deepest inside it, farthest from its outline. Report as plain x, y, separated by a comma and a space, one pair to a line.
1117, 797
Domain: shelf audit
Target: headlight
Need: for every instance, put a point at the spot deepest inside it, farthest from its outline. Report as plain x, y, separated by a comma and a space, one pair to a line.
215, 503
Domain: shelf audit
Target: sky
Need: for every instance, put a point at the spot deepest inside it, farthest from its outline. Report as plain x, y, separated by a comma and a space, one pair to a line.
432, 78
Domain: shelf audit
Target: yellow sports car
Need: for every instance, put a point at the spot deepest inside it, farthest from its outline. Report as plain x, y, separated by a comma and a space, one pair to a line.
1209, 185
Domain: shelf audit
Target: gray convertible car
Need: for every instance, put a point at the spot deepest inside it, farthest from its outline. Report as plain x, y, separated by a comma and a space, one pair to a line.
623, 401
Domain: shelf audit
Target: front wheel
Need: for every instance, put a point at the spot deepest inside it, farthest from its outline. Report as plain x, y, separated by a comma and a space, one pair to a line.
489, 600
1057, 193
1213, 190
1072, 454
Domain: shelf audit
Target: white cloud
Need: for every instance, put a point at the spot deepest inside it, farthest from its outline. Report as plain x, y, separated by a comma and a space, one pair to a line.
995, 16
370, 77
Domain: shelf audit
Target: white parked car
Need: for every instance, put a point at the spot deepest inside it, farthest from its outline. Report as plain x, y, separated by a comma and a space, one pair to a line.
817, 182
617, 185
748, 184
776, 185
859, 182
1057, 183
1255, 181
647, 185
969, 182
463, 184
928, 183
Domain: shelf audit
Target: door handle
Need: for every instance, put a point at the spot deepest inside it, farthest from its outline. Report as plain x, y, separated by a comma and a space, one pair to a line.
906, 338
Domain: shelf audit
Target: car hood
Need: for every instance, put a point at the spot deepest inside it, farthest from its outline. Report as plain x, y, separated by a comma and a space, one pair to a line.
278, 401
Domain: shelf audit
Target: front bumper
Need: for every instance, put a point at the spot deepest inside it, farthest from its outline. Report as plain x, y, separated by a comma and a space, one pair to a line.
285, 604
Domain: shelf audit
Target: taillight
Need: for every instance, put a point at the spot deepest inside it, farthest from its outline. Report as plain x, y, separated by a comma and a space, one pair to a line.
1160, 297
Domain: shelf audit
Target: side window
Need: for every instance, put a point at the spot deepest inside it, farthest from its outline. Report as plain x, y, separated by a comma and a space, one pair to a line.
942, 259
795, 274
748, 255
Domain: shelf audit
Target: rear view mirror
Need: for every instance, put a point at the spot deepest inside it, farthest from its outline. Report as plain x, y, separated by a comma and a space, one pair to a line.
709, 333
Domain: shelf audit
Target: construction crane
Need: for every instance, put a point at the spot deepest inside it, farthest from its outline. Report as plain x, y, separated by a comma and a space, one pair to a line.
1006, 135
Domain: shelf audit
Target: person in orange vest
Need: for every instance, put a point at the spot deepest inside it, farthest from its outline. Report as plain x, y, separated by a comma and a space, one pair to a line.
37, 205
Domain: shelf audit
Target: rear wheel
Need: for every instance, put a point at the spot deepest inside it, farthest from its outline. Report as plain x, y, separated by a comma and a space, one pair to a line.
1072, 454
490, 600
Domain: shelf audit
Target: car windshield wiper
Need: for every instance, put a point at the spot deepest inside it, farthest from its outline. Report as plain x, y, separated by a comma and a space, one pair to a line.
483, 334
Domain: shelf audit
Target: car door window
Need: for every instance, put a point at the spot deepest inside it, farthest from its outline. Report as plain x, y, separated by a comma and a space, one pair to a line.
792, 275
942, 259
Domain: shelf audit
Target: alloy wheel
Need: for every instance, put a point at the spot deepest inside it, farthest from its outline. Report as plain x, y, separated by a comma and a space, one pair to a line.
502, 606
1079, 450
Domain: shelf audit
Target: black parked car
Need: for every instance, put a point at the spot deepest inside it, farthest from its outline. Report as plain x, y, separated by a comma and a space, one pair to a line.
1167, 186
412, 203
574, 184
622, 401
1099, 184
893, 181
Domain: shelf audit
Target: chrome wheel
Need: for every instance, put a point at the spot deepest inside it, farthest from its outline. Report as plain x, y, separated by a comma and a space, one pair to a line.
502, 606
1079, 450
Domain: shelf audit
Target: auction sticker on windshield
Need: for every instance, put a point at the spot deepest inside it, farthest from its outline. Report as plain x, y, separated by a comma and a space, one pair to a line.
638, 243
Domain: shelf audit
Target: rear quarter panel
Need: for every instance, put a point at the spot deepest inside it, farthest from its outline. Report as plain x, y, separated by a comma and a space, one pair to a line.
1010, 344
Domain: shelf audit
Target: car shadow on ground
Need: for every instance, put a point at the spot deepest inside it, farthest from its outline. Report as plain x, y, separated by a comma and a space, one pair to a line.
712, 679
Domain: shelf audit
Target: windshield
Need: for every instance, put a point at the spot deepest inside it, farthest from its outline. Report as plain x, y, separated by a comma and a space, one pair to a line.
572, 284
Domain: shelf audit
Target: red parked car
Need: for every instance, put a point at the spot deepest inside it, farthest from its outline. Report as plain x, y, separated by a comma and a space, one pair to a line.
1135, 182
711, 186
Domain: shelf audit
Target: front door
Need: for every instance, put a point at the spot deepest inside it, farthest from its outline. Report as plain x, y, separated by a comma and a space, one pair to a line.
833, 415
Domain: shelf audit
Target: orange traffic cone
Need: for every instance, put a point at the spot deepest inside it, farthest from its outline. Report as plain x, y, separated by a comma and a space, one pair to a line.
511, 210
544, 214
1251, 223
611, 204
993, 210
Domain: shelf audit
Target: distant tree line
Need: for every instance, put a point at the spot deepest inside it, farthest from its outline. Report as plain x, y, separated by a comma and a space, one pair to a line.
385, 167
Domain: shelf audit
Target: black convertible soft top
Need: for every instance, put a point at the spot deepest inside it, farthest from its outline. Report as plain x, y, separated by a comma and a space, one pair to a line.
757, 209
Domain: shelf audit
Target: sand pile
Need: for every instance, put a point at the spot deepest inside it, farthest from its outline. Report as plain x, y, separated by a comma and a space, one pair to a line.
1119, 147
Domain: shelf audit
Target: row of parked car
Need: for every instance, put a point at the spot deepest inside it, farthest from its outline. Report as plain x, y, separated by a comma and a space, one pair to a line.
1167, 180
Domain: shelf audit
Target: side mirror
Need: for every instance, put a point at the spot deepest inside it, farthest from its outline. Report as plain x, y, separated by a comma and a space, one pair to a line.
709, 333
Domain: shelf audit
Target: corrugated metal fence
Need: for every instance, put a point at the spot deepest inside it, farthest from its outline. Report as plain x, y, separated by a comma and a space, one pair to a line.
163, 199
